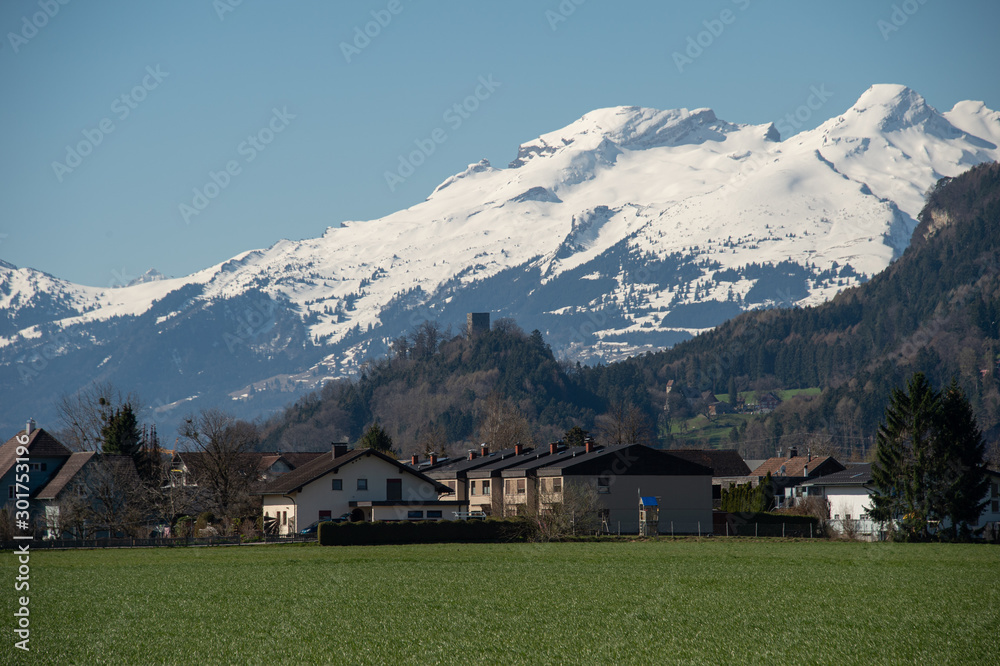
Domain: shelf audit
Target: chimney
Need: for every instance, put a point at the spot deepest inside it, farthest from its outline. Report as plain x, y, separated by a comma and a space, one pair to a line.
779, 452
805, 470
472, 454
339, 449
517, 449
484, 450
809, 455
588, 445
415, 459
434, 458
793, 452
30, 427
553, 447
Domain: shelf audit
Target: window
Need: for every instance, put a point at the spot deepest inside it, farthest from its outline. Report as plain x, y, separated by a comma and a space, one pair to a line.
451, 486
415, 515
486, 487
557, 485
284, 517
362, 484
603, 485
338, 484
433, 514
521, 486
508, 487
475, 489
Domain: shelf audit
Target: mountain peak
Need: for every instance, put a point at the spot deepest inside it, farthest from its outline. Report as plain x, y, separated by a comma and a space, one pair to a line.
891, 107
631, 127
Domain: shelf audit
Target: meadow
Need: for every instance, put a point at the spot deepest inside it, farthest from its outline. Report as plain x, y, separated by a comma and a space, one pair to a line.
685, 601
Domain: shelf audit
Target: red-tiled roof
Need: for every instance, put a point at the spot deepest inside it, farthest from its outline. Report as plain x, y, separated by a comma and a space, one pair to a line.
799, 466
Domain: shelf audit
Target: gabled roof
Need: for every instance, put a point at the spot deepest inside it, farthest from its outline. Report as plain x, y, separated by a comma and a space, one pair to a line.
314, 469
854, 475
299, 458
496, 467
40, 445
546, 459
625, 460
123, 466
801, 466
458, 468
725, 462
65, 475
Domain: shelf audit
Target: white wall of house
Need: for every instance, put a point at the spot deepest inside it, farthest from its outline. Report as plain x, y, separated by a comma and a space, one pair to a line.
848, 503
319, 495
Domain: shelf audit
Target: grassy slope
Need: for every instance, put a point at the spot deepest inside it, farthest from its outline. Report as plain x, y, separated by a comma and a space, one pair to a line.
708, 601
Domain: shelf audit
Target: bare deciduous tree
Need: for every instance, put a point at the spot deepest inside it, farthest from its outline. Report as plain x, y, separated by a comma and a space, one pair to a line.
624, 423
503, 425
85, 413
226, 466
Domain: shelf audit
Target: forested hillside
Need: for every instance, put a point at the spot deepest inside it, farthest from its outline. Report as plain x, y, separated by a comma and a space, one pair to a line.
935, 310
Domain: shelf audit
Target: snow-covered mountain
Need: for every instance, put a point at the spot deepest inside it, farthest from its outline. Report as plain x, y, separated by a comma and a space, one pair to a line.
629, 229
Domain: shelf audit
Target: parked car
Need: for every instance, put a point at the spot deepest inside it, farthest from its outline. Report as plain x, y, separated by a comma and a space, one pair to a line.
313, 528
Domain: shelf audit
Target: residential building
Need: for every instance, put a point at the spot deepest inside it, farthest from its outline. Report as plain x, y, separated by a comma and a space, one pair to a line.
728, 468
45, 456
793, 470
616, 477
364, 483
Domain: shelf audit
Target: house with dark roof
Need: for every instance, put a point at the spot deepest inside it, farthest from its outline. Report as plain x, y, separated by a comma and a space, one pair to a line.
727, 465
363, 483
847, 496
620, 475
487, 487
92, 495
28, 461
478, 489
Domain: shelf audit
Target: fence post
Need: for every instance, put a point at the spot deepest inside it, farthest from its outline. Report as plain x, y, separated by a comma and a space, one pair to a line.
810, 530
671, 529
727, 528
782, 530
699, 529
756, 529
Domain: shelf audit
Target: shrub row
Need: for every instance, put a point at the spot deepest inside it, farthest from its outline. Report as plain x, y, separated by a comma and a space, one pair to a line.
425, 531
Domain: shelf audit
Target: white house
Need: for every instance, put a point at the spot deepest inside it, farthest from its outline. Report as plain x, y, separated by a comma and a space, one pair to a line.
364, 483
847, 494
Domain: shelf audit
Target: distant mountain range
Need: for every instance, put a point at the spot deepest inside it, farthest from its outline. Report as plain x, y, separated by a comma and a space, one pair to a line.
630, 229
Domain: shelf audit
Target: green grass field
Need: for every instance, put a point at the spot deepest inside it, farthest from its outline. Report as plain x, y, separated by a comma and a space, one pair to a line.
686, 601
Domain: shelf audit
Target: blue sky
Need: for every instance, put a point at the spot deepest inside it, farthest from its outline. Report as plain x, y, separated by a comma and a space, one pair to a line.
308, 127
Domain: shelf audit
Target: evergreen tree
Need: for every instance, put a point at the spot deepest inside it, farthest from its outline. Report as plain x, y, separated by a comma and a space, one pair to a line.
961, 490
930, 466
903, 464
120, 433
377, 438
575, 436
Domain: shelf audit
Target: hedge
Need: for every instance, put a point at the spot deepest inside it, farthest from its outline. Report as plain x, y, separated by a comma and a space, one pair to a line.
425, 531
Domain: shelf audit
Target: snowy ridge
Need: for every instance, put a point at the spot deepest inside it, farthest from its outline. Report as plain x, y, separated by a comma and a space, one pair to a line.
628, 229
